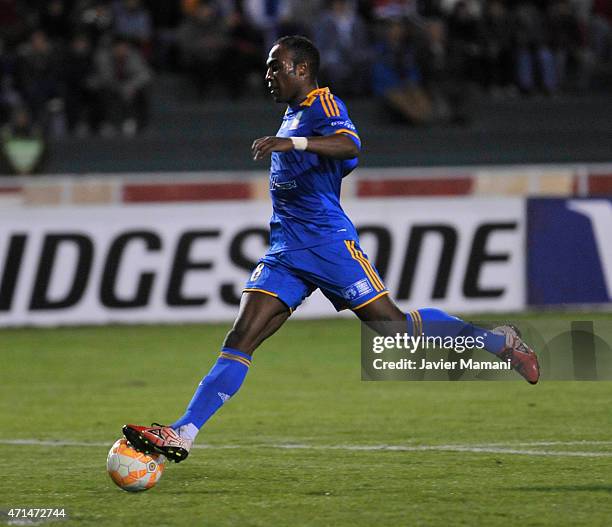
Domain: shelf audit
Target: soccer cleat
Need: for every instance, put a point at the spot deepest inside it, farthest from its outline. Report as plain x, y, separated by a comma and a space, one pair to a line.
158, 439
522, 357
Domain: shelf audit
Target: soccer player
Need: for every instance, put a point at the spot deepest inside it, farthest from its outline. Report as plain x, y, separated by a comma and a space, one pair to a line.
313, 244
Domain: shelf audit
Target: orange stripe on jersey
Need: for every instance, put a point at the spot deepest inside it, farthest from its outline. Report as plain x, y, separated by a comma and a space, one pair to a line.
374, 273
325, 107
352, 252
312, 96
327, 100
330, 103
347, 131
371, 300
366, 262
247, 289
335, 105
350, 245
365, 267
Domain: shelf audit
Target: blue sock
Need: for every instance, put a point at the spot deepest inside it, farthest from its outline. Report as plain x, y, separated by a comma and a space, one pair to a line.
223, 380
436, 323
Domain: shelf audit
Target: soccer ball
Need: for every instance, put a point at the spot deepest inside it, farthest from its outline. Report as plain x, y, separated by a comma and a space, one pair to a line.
132, 470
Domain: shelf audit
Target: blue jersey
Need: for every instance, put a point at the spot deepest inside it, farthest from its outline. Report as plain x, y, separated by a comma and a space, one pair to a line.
305, 187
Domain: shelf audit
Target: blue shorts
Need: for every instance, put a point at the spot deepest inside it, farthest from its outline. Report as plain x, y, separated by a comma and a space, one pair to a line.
339, 268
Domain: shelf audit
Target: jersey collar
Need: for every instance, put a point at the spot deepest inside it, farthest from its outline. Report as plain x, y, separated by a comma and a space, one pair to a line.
312, 96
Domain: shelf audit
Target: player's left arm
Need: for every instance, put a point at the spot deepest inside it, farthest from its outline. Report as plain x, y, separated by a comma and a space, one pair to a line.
336, 146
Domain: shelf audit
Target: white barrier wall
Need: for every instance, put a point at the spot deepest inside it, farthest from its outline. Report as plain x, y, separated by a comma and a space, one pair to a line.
188, 263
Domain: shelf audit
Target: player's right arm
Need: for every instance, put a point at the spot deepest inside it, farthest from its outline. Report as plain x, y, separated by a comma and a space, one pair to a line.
336, 146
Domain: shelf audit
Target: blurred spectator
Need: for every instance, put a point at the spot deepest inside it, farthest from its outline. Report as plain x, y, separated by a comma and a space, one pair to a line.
276, 18
82, 106
601, 28
39, 74
55, 19
397, 77
339, 33
23, 145
224, 7
298, 17
204, 41
244, 57
464, 40
565, 40
9, 94
13, 21
430, 8
445, 70
535, 64
121, 80
496, 34
397, 9
133, 23
57, 57
166, 18
266, 16
95, 18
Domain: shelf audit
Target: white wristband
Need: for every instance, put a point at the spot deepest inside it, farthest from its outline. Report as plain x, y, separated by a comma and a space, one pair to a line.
299, 143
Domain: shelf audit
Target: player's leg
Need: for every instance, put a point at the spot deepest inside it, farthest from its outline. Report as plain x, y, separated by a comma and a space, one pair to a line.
427, 321
382, 309
504, 342
269, 296
346, 276
259, 317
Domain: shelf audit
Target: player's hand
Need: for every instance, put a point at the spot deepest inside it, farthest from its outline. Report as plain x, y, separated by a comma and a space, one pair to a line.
264, 145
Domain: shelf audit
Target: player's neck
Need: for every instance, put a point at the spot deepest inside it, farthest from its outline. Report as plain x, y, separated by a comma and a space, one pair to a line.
303, 93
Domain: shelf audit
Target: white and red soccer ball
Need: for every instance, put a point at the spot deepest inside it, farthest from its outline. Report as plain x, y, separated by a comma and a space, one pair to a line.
131, 470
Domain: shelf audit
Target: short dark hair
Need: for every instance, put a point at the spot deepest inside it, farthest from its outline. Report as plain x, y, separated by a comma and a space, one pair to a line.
303, 51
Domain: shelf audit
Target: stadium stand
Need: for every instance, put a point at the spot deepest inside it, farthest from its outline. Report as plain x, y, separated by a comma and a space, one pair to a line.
438, 83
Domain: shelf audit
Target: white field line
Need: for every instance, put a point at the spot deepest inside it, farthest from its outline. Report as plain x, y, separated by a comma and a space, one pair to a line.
552, 443
497, 448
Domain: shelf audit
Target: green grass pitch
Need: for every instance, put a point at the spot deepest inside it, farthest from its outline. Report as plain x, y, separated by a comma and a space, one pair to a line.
289, 449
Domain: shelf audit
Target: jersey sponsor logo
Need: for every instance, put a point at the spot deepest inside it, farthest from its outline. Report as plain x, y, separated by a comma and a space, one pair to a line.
344, 124
282, 185
257, 272
358, 289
